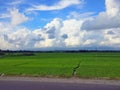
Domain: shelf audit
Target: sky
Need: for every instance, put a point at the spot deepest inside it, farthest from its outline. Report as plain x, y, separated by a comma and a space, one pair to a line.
59, 24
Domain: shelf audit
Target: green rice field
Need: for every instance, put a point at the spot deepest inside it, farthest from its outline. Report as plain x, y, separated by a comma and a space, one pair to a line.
92, 65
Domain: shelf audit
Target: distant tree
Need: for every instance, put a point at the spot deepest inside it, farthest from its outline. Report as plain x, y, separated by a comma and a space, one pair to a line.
28, 54
2, 53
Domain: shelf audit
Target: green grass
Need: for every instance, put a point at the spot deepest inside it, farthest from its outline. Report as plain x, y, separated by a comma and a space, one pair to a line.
93, 65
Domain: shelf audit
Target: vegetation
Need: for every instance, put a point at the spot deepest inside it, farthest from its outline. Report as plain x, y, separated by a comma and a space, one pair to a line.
62, 64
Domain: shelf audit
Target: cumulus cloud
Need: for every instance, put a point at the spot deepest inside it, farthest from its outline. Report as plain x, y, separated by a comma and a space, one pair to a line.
112, 37
113, 7
4, 44
17, 38
105, 20
56, 34
57, 6
17, 17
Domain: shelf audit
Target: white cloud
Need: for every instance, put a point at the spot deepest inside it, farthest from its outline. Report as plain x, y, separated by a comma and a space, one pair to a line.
4, 16
44, 44
112, 37
17, 17
77, 15
56, 22
15, 2
4, 44
113, 7
57, 6
66, 34
89, 41
105, 20
23, 38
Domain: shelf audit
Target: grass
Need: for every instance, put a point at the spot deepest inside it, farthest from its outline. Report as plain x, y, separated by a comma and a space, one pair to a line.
93, 65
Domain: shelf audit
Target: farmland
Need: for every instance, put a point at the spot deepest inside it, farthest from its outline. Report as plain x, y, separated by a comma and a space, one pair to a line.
92, 65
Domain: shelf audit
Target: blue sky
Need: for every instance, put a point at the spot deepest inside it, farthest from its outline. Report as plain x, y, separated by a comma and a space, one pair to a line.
46, 16
59, 24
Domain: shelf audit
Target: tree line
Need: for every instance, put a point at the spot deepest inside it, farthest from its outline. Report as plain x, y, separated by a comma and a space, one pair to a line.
28, 52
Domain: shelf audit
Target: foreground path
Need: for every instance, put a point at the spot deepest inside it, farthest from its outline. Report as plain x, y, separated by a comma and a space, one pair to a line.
21, 83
